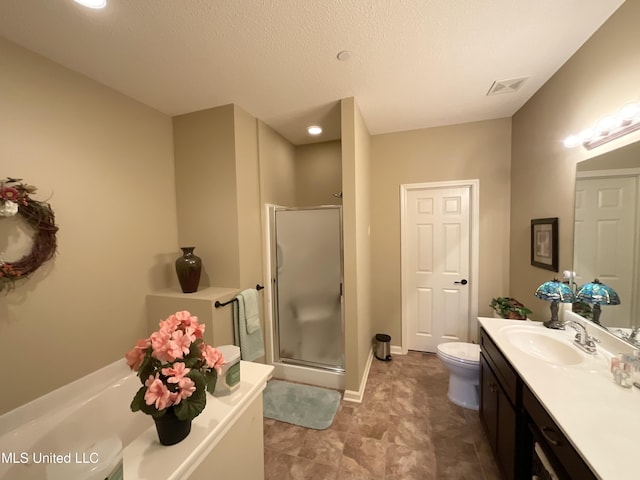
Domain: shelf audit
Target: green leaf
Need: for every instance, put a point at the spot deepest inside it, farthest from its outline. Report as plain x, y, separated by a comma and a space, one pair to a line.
211, 381
138, 400
146, 367
191, 407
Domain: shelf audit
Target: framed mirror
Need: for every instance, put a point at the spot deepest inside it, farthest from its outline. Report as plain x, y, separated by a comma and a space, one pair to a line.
607, 234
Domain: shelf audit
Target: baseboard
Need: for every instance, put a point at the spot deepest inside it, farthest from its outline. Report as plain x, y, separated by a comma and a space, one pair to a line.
396, 350
357, 397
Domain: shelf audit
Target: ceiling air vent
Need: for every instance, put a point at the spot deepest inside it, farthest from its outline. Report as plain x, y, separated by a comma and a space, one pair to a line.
506, 86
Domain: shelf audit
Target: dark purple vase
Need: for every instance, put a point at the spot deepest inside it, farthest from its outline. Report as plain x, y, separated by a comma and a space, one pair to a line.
171, 429
188, 268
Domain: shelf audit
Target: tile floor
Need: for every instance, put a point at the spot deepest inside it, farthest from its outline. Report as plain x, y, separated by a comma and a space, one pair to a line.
405, 429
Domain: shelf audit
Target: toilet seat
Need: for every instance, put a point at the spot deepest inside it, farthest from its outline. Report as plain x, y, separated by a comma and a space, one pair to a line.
462, 352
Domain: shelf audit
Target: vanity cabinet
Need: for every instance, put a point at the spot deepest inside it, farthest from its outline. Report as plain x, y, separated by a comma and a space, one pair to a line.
514, 420
500, 391
564, 459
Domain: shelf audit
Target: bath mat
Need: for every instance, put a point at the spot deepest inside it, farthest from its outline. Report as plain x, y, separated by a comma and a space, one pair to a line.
310, 407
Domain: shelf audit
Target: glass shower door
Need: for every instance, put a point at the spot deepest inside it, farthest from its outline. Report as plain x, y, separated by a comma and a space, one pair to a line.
308, 289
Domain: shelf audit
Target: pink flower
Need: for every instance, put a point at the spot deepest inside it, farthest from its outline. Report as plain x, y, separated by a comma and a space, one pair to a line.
213, 357
184, 316
191, 322
157, 393
160, 345
170, 325
175, 373
179, 344
187, 387
136, 354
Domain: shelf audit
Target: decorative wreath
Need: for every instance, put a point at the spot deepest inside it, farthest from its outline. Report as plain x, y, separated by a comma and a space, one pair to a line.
15, 200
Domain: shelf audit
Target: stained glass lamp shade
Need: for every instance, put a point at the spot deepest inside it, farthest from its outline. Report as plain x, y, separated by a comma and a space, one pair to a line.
597, 293
555, 292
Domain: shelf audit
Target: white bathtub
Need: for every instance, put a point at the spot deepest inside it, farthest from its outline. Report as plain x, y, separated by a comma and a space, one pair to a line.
77, 431
83, 431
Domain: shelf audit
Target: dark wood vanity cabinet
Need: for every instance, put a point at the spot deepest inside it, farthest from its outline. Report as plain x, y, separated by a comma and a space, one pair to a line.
500, 391
565, 460
514, 420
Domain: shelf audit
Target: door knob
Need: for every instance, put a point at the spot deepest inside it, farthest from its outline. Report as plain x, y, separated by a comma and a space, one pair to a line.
463, 281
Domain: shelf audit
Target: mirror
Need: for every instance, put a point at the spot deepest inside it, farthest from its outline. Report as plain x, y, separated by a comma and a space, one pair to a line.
607, 233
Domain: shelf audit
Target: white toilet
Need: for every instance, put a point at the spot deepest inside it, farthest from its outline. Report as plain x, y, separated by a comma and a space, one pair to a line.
463, 361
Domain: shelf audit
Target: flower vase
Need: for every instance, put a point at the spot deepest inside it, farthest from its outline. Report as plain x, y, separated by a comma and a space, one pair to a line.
171, 429
188, 268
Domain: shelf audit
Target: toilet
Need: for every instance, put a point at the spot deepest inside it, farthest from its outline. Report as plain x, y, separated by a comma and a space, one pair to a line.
463, 361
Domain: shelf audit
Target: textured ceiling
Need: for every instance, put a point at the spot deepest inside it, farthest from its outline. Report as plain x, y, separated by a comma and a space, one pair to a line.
414, 63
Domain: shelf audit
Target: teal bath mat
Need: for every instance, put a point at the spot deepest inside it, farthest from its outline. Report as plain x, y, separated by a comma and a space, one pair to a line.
310, 407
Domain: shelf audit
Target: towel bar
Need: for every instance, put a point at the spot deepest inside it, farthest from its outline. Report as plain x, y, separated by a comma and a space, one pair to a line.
218, 304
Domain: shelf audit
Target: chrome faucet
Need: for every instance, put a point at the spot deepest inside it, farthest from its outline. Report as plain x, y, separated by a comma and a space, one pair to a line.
633, 337
583, 340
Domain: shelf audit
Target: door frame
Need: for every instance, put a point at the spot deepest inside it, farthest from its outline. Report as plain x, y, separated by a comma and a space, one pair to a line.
474, 228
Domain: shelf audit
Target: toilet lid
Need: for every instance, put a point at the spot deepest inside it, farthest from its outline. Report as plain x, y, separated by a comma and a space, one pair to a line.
461, 351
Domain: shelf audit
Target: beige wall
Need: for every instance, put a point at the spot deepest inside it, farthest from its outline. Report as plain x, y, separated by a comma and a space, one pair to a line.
357, 252
318, 170
479, 150
597, 81
105, 164
204, 146
248, 199
218, 193
277, 167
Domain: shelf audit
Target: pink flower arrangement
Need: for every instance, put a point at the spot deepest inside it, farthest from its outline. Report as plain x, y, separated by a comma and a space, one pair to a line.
176, 368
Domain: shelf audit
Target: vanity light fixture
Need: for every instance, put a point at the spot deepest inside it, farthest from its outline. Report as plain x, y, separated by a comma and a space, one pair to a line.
555, 292
95, 4
609, 128
597, 293
314, 130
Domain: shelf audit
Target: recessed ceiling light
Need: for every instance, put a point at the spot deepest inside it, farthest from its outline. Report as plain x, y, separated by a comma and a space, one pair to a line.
314, 130
92, 3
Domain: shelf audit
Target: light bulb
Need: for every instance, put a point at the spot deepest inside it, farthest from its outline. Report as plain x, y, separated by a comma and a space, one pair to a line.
605, 125
629, 112
92, 3
572, 141
314, 130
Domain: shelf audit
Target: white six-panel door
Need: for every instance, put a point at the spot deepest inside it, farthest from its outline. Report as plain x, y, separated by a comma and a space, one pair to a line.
605, 246
436, 266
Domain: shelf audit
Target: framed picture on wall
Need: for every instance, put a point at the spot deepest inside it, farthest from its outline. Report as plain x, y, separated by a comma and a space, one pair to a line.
544, 243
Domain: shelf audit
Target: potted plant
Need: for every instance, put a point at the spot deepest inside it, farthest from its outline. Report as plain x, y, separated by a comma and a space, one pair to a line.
176, 368
507, 307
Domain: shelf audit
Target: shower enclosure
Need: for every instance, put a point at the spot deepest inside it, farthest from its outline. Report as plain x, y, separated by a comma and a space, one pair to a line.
306, 268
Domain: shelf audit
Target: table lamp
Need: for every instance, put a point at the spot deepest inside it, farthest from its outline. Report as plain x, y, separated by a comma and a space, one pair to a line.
597, 293
555, 292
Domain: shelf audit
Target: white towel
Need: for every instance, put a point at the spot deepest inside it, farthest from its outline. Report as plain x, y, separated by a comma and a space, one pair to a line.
251, 309
251, 344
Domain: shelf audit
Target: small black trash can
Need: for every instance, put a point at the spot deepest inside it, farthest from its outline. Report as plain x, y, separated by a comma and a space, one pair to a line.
383, 347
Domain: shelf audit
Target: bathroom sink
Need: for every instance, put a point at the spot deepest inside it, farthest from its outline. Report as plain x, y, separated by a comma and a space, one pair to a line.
543, 346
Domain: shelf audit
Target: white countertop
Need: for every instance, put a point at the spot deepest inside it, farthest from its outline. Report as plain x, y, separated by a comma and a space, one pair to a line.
146, 459
600, 418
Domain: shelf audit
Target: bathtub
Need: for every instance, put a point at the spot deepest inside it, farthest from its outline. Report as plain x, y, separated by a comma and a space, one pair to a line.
77, 431
86, 430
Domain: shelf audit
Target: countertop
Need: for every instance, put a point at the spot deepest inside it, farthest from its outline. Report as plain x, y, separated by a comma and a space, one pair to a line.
145, 458
600, 418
